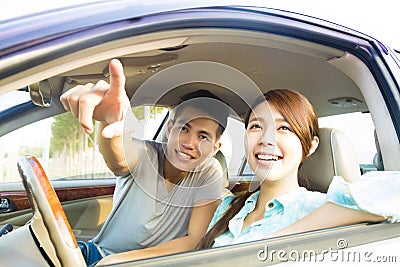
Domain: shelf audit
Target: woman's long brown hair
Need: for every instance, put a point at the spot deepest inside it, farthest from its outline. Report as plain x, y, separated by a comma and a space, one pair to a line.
301, 116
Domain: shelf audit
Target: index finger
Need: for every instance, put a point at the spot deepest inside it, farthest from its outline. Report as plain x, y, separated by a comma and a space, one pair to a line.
117, 78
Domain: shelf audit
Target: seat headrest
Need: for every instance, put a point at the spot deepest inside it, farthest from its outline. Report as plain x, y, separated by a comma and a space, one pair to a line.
334, 156
222, 160
378, 161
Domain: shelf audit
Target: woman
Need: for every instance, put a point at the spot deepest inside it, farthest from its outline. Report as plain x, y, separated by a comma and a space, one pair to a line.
281, 132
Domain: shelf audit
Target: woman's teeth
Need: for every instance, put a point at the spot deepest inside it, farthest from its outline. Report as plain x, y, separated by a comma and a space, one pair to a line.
267, 157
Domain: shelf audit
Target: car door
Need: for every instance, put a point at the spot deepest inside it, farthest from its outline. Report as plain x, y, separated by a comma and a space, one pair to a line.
354, 62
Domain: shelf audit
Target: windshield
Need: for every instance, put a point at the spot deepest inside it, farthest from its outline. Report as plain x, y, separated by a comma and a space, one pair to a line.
14, 98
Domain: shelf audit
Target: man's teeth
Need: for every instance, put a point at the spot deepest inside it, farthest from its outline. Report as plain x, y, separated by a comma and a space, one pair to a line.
183, 155
267, 157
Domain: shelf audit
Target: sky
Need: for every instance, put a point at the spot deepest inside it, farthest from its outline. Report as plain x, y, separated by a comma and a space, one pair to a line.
378, 19
375, 18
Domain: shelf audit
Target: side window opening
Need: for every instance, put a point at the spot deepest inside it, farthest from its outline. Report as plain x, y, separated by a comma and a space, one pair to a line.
233, 145
150, 120
359, 128
63, 148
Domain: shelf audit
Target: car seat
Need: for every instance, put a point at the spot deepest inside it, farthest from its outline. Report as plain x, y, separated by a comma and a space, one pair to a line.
334, 156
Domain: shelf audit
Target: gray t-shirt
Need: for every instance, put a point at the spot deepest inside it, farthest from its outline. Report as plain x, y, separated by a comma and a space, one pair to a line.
145, 213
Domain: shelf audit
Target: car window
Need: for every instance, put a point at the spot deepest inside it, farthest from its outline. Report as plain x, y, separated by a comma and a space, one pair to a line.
233, 145
397, 54
150, 120
62, 147
359, 128
14, 98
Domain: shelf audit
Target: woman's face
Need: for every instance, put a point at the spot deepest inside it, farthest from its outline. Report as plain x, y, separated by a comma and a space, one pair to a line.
273, 150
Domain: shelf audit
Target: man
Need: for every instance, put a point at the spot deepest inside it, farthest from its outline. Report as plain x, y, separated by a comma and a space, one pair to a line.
165, 194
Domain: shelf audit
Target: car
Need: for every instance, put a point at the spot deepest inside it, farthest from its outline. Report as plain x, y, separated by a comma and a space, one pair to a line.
169, 49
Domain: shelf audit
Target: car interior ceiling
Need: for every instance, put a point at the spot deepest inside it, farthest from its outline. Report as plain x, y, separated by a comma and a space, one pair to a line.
267, 62
267, 59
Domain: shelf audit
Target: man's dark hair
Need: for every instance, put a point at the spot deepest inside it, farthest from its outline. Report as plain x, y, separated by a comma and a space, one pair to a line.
208, 103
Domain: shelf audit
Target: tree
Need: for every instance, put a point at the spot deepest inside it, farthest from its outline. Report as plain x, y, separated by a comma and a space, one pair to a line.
66, 134
73, 152
139, 111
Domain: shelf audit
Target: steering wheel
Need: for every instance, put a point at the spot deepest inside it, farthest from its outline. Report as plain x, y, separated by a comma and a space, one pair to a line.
47, 211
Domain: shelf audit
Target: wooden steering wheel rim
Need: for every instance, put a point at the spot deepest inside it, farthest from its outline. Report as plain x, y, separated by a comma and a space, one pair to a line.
44, 200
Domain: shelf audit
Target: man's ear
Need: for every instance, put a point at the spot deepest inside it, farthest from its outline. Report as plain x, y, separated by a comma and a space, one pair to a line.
170, 123
314, 145
217, 146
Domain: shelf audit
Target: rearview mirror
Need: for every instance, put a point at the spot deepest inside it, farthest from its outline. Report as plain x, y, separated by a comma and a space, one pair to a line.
41, 93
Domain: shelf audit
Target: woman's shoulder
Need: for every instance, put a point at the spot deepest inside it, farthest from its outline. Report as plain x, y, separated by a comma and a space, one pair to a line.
303, 198
308, 195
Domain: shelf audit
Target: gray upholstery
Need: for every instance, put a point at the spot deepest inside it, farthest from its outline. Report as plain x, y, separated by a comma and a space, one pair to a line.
334, 157
378, 161
222, 160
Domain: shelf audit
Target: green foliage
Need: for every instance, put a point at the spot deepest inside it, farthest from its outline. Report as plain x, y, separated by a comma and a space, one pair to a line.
65, 132
139, 111
156, 110
26, 150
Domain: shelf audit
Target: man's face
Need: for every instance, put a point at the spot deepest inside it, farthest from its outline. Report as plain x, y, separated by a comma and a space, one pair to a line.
192, 139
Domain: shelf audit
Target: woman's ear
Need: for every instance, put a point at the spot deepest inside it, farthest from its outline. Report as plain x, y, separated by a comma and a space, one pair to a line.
314, 145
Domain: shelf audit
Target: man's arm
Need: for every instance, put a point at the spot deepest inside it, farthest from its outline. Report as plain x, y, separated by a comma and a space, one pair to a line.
109, 104
326, 216
201, 216
113, 149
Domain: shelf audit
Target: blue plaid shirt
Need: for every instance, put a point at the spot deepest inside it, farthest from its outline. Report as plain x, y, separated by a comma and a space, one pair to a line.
376, 192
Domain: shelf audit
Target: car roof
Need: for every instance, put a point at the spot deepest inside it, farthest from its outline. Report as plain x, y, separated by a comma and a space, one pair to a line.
53, 10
